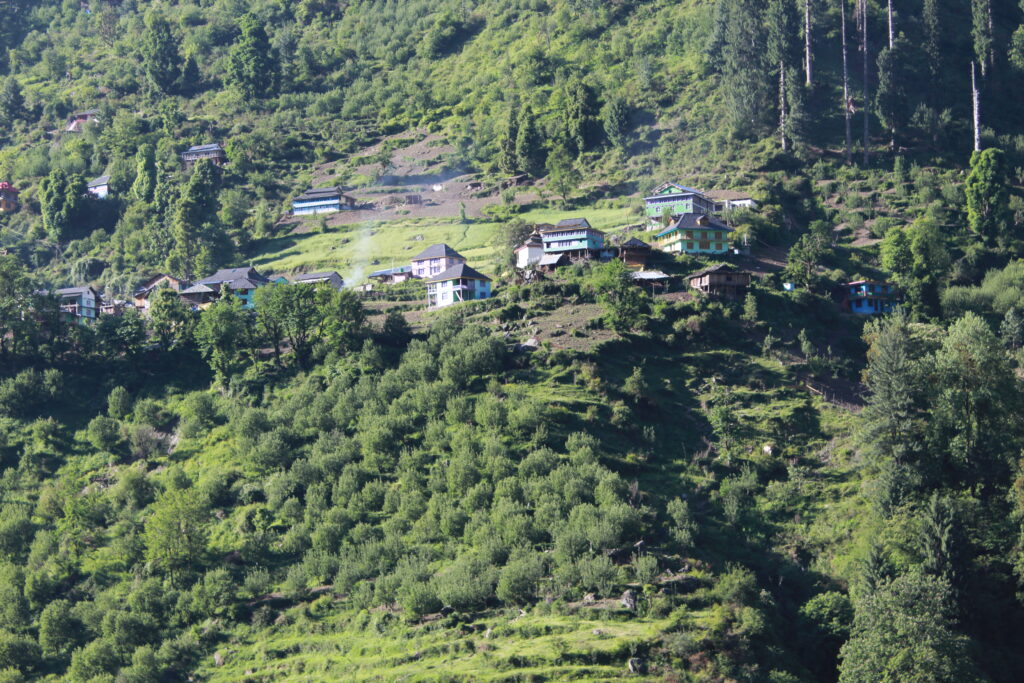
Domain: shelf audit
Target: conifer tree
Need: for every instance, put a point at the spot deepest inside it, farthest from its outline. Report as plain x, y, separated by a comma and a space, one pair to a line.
578, 115
981, 33
529, 145
508, 162
195, 229
988, 195
252, 64
144, 186
12, 103
781, 23
61, 203
159, 49
892, 98
615, 119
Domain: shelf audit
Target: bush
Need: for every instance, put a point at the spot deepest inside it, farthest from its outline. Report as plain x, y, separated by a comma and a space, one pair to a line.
519, 579
104, 433
18, 652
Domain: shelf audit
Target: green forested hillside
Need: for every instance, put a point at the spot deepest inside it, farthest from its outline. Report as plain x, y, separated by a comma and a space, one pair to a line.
577, 479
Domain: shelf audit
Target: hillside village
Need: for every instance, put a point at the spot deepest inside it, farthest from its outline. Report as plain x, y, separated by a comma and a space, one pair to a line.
679, 220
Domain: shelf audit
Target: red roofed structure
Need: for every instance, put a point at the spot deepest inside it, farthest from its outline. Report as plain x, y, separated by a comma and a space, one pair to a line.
8, 197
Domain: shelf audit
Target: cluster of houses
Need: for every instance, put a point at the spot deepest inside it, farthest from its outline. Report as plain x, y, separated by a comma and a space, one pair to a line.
449, 279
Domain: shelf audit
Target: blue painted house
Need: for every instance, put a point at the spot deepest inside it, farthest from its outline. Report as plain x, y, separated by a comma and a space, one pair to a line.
674, 200
458, 283
573, 237
322, 200
869, 297
242, 282
79, 304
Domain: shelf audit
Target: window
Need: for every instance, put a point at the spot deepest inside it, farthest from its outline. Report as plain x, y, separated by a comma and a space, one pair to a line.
689, 245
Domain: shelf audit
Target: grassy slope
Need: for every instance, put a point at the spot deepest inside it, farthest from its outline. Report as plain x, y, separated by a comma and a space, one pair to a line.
359, 249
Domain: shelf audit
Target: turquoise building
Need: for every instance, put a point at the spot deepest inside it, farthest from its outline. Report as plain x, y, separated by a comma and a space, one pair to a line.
573, 237
674, 200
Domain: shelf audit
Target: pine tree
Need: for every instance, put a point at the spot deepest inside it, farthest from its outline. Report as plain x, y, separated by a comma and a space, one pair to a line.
892, 99
12, 103
740, 34
529, 145
195, 229
252, 63
781, 22
1011, 329
981, 33
61, 203
615, 119
988, 195
578, 115
847, 99
160, 57
933, 39
508, 162
144, 186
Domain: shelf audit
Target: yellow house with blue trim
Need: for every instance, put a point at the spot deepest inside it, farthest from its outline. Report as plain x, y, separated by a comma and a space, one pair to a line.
694, 233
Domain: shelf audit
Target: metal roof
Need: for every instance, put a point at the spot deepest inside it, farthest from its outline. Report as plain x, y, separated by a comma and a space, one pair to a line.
695, 221
98, 182
573, 223
211, 147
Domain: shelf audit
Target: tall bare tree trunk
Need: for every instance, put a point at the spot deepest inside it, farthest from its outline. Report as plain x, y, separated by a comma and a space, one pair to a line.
847, 103
976, 101
867, 61
892, 32
807, 43
783, 113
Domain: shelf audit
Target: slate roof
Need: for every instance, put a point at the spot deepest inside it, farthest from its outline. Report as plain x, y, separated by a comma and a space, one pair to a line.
72, 291
460, 270
245, 283
306, 277
232, 274
728, 195
437, 251
211, 147
634, 243
717, 268
695, 221
320, 193
85, 112
197, 289
573, 223
98, 182
551, 259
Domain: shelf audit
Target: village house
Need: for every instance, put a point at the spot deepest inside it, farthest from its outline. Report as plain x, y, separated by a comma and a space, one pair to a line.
573, 237
99, 187
869, 297
435, 259
693, 233
635, 253
113, 306
213, 151
391, 276
727, 201
8, 198
458, 283
242, 282
530, 252
673, 200
322, 200
77, 120
332, 278
655, 279
79, 304
720, 281
140, 298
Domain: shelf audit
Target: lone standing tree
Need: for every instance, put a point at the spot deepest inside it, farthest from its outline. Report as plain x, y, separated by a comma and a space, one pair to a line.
988, 195
252, 64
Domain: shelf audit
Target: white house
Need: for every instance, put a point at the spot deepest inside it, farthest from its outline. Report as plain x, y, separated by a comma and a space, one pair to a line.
730, 200
99, 187
435, 259
529, 253
458, 283
322, 200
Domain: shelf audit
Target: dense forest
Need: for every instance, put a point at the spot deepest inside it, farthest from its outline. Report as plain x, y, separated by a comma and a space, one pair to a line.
662, 486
